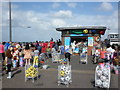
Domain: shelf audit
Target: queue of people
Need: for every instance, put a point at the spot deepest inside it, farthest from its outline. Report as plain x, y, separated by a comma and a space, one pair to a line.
14, 55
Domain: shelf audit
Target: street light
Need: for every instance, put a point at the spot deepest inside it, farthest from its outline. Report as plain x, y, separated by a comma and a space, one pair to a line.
10, 23
28, 27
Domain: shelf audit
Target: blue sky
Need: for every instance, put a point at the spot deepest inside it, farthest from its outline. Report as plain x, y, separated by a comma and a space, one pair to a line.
44, 17
91, 8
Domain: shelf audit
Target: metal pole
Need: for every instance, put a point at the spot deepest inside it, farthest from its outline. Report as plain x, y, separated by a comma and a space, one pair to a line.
10, 23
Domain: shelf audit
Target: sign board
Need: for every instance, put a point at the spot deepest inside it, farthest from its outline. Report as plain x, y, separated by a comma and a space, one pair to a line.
78, 35
67, 42
90, 41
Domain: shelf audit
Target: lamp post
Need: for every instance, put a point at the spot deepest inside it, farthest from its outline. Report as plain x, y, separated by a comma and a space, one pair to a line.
10, 23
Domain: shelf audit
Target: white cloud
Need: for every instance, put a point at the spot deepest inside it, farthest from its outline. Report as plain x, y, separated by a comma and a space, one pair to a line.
13, 6
63, 14
72, 5
106, 6
43, 25
110, 21
55, 5
58, 22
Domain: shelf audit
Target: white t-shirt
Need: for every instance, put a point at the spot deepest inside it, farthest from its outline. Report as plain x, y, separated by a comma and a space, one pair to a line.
84, 50
36, 53
110, 50
73, 45
97, 53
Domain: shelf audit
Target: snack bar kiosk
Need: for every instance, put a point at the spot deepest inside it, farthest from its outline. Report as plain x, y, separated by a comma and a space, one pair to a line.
89, 34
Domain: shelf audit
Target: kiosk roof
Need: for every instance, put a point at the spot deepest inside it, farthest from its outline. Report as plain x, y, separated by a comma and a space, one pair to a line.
82, 28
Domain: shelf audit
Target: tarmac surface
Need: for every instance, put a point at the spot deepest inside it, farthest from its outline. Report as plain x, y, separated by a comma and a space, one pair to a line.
82, 76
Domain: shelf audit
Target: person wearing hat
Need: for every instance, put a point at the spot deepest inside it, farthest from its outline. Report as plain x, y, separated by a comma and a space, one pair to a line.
7, 44
8, 58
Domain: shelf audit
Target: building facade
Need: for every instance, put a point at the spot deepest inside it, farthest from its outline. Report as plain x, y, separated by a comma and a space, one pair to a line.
89, 34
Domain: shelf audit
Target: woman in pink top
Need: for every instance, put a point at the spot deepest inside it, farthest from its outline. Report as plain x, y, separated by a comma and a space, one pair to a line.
2, 53
27, 54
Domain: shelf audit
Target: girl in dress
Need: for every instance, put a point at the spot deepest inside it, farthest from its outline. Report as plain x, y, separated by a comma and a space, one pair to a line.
27, 54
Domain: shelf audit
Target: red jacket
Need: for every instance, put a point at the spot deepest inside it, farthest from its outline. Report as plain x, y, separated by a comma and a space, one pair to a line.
51, 45
43, 50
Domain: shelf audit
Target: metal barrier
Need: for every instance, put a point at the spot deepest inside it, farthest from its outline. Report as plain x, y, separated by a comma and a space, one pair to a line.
103, 75
64, 74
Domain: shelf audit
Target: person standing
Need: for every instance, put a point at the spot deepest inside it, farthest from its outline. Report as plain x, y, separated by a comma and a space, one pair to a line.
59, 42
96, 55
2, 53
15, 57
51, 44
36, 54
48, 52
27, 54
8, 58
67, 54
81, 46
110, 52
62, 50
6, 46
56, 47
103, 53
73, 45
21, 56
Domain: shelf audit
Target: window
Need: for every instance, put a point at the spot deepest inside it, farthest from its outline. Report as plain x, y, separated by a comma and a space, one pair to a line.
116, 36
111, 35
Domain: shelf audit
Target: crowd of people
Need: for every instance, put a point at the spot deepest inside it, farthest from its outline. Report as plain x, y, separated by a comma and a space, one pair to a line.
15, 55
108, 54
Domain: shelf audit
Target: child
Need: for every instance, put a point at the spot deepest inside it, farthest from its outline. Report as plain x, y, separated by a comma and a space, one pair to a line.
21, 58
8, 58
62, 49
48, 52
15, 57
83, 55
27, 54
97, 55
36, 54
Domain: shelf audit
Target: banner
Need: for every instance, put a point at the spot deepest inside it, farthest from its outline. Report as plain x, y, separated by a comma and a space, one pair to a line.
78, 35
67, 42
90, 41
